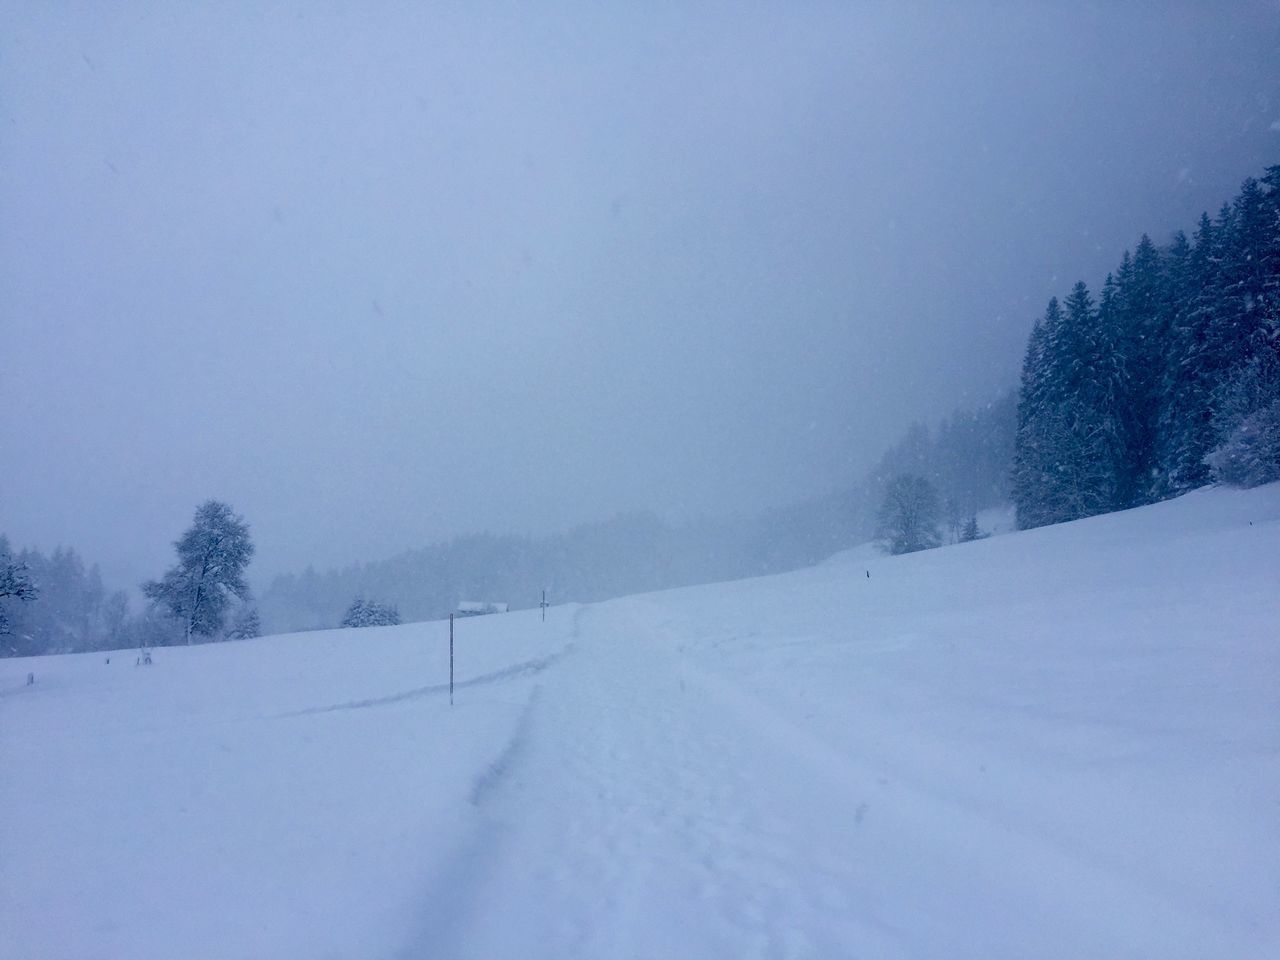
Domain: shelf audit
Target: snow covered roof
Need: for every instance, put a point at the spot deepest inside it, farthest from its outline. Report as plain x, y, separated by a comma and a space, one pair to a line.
478, 606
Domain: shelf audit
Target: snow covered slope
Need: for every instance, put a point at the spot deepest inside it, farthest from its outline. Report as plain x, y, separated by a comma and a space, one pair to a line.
1061, 743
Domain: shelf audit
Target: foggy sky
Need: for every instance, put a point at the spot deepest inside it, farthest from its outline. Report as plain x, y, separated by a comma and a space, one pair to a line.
378, 274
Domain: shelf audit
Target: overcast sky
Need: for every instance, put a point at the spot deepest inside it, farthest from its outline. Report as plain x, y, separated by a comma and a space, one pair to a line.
377, 274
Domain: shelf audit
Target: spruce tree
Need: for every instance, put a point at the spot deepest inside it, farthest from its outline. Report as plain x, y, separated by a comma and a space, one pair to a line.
1033, 452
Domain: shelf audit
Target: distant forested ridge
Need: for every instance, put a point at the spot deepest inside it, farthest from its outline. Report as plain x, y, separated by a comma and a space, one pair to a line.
1167, 380
966, 457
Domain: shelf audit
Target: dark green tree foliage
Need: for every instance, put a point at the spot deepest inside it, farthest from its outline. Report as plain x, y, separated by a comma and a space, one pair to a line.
909, 514
212, 557
1173, 380
1064, 464
1138, 324
1184, 430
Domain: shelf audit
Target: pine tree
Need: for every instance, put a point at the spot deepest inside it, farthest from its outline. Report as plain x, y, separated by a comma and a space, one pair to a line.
1141, 318
1065, 461
1177, 371
1033, 447
1191, 372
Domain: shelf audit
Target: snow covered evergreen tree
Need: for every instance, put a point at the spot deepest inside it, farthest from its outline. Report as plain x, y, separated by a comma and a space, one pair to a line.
1171, 382
1140, 319
1184, 431
16, 586
1063, 465
1249, 411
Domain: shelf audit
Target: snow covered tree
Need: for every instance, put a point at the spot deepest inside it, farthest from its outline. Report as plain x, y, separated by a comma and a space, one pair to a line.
1249, 412
212, 557
1059, 446
1170, 382
16, 585
1185, 429
246, 625
971, 532
908, 518
369, 613
115, 621
1138, 327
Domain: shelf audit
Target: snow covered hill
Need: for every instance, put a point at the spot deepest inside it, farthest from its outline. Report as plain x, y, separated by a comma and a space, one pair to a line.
1060, 743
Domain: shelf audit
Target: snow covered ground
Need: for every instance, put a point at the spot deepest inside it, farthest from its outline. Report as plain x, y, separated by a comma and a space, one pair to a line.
1060, 743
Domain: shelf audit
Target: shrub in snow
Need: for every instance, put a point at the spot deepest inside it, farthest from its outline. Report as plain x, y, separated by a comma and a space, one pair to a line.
369, 613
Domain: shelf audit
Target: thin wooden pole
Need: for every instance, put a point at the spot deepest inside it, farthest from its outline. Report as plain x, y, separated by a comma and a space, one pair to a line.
451, 659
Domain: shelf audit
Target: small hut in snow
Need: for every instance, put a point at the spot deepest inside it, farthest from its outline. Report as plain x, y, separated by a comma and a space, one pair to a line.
478, 608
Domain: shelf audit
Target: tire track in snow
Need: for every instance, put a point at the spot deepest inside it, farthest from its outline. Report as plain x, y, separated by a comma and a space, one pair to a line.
637, 824
525, 669
498, 771
453, 904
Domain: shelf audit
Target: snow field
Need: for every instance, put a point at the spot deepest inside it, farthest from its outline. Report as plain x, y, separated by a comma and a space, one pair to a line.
236, 800
1060, 743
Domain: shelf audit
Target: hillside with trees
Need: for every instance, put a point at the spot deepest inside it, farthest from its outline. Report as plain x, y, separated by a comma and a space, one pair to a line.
1167, 380
965, 459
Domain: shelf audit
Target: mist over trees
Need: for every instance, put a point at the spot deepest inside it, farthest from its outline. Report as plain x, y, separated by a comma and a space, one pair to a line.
50, 604
965, 459
1168, 380
909, 515
57, 604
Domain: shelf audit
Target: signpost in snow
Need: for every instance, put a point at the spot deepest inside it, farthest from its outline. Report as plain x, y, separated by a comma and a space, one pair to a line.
544, 606
451, 659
